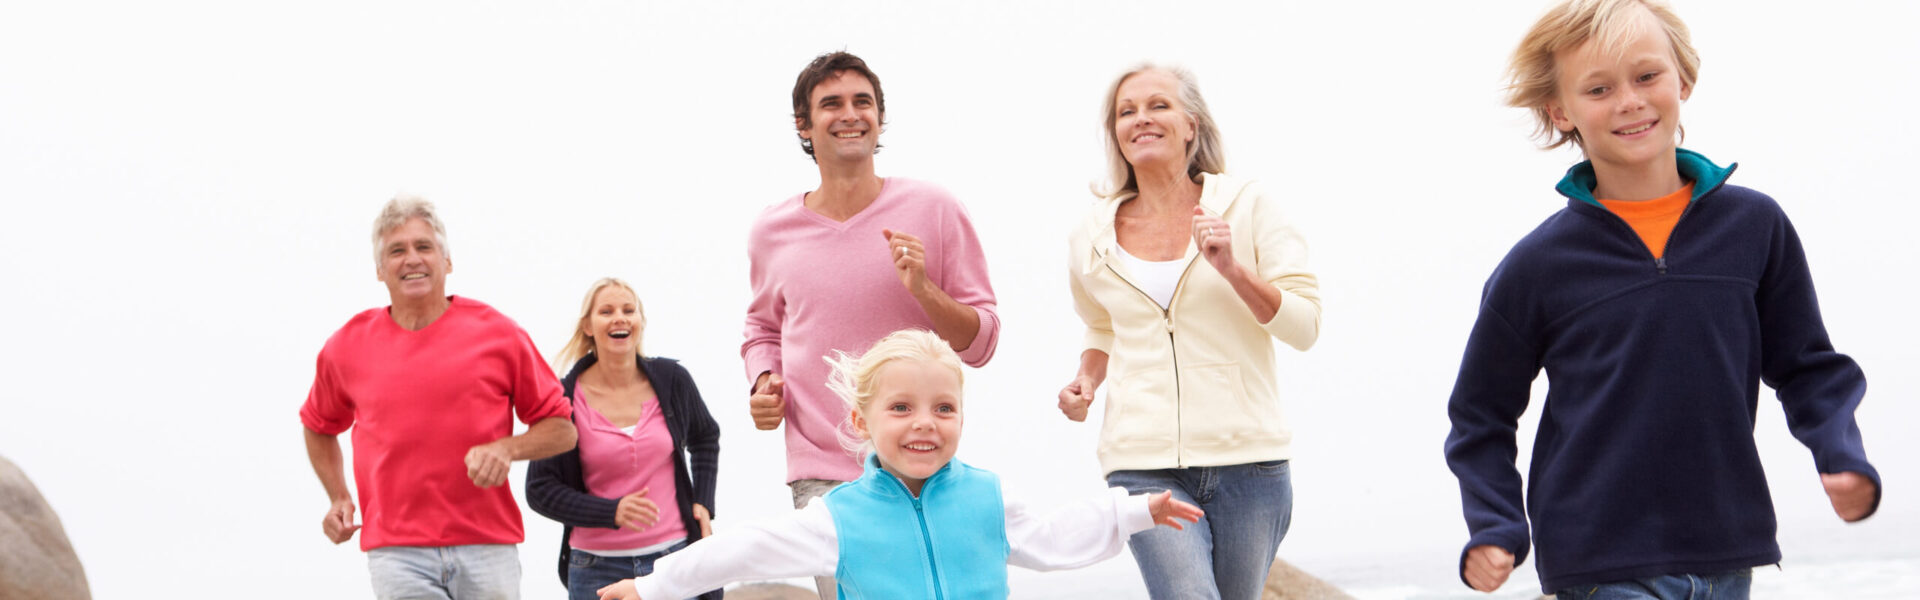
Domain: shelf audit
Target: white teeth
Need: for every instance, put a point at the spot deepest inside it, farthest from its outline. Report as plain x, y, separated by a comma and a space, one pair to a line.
1636, 129
413, 276
848, 134
921, 447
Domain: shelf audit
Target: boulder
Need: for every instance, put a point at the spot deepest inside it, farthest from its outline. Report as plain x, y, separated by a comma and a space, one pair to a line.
1287, 582
36, 561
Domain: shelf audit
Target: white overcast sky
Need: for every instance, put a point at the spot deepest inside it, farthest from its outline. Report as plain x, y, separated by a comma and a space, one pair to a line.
188, 188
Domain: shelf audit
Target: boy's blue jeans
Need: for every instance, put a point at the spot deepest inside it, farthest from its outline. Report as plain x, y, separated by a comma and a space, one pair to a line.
588, 572
1731, 585
1227, 553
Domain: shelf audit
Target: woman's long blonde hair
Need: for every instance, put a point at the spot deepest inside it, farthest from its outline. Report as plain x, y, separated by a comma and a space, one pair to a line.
581, 344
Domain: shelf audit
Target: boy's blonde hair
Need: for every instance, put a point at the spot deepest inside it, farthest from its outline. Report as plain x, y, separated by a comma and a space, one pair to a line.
1533, 82
580, 344
853, 376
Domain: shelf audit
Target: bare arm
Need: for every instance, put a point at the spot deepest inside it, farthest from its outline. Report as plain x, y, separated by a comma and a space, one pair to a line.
1078, 395
953, 321
488, 464
324, 452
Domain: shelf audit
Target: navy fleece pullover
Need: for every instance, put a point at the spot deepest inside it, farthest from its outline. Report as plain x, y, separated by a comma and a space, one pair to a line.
1645, 462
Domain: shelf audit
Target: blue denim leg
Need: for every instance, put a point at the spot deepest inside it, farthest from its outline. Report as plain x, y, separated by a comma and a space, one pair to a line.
1253, 507
1173, 563
588, 572
1731, 585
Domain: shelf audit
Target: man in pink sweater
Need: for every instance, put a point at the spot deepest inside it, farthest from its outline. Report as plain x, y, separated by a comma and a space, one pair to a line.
841, 266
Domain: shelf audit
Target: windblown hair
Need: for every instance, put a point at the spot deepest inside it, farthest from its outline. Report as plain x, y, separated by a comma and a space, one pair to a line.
1205, 154
400, 209
853, 376
581, 344
1532, 80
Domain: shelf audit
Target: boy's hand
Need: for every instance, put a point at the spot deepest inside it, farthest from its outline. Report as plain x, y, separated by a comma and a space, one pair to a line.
1487, 567
1169, 512
636, 512
769, 402
1851, 494
620, 590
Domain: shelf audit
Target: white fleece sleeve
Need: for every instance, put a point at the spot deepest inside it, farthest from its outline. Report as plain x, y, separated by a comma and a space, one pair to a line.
802, 544
1076, 535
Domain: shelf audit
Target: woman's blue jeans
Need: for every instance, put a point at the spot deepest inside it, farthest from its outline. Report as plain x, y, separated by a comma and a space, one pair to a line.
1226, 555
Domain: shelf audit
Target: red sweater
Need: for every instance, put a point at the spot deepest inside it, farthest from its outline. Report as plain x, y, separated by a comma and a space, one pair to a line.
417, 401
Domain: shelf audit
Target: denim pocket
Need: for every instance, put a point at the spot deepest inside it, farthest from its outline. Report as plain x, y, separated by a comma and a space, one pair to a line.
581, 560
1271, 468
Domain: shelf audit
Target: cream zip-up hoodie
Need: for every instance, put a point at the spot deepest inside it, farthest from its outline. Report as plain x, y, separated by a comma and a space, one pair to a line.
1193, 385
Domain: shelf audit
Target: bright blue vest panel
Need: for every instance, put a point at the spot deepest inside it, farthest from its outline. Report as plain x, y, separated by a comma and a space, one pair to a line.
948, 544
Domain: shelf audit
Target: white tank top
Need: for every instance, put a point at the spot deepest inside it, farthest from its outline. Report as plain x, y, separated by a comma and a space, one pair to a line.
1157, 278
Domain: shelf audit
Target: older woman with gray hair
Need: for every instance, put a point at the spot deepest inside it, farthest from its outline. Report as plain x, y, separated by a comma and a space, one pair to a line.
1184, 276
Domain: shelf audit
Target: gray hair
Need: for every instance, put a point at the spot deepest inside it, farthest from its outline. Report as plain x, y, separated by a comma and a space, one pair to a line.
402, 208
1205, 154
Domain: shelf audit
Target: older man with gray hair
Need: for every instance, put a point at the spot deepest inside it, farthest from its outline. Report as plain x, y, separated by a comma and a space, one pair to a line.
430, 387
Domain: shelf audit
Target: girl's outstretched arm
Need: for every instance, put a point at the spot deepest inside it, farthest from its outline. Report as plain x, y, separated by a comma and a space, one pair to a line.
1084, 532
802, 544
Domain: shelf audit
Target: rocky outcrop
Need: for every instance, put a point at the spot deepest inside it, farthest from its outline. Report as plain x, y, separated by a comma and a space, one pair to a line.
36, 561
1287, 582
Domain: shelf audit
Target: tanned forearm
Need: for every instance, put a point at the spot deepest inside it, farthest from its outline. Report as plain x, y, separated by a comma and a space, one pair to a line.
1260, 297
544, 438
324, 452
954, 322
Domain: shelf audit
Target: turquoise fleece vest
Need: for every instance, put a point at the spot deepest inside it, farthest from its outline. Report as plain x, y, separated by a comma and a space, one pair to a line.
948, 544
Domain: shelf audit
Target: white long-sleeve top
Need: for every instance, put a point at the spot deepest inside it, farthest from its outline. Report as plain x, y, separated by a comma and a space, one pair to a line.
804, 544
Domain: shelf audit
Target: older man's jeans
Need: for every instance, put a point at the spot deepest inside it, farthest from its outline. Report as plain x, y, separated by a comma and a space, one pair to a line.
476, 572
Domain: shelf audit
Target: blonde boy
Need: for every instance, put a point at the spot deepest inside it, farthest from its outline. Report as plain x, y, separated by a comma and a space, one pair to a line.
1657, 302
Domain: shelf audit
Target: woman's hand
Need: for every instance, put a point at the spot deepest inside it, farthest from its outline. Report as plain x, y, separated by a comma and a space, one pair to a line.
706, 520
1077, 397
1215, 240
636, 512
1169, 512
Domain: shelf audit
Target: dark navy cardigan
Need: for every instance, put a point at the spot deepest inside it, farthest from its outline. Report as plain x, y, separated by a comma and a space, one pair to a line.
1645, 462
556, 486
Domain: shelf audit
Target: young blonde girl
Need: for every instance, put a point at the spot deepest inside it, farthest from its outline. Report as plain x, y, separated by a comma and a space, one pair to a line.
905, 408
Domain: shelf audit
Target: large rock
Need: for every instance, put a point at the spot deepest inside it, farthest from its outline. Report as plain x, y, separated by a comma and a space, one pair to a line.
1287, 582
36, 561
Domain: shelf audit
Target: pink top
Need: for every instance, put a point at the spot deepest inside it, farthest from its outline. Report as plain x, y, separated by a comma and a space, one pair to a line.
821, 285
617, 464
416, 402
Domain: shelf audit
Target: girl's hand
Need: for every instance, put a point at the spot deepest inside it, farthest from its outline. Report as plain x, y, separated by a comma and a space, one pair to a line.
1214, 239
620, 590
1169, 512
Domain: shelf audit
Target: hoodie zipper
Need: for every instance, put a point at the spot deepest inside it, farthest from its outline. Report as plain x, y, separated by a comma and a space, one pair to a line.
1659, 262
1166, 319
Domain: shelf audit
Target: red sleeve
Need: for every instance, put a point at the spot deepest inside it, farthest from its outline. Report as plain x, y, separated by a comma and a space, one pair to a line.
328, 410
536, 392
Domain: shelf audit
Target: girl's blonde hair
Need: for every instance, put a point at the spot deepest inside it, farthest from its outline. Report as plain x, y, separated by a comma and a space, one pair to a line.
853, 376
1533, 82
581, 344
1205, 154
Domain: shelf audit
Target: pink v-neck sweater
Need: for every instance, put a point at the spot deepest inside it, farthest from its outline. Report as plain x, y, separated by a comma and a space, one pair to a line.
820, 285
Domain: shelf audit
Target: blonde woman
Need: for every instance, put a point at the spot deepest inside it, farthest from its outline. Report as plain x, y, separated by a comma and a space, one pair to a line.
1184, 276
625, 494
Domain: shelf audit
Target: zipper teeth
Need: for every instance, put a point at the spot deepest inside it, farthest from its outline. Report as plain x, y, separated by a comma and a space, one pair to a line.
926, 538
1166, 319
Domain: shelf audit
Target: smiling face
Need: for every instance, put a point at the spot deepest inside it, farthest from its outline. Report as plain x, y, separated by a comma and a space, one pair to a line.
614, 322
1625, 105
1151, 126
845, 119
412, 263
913, 419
